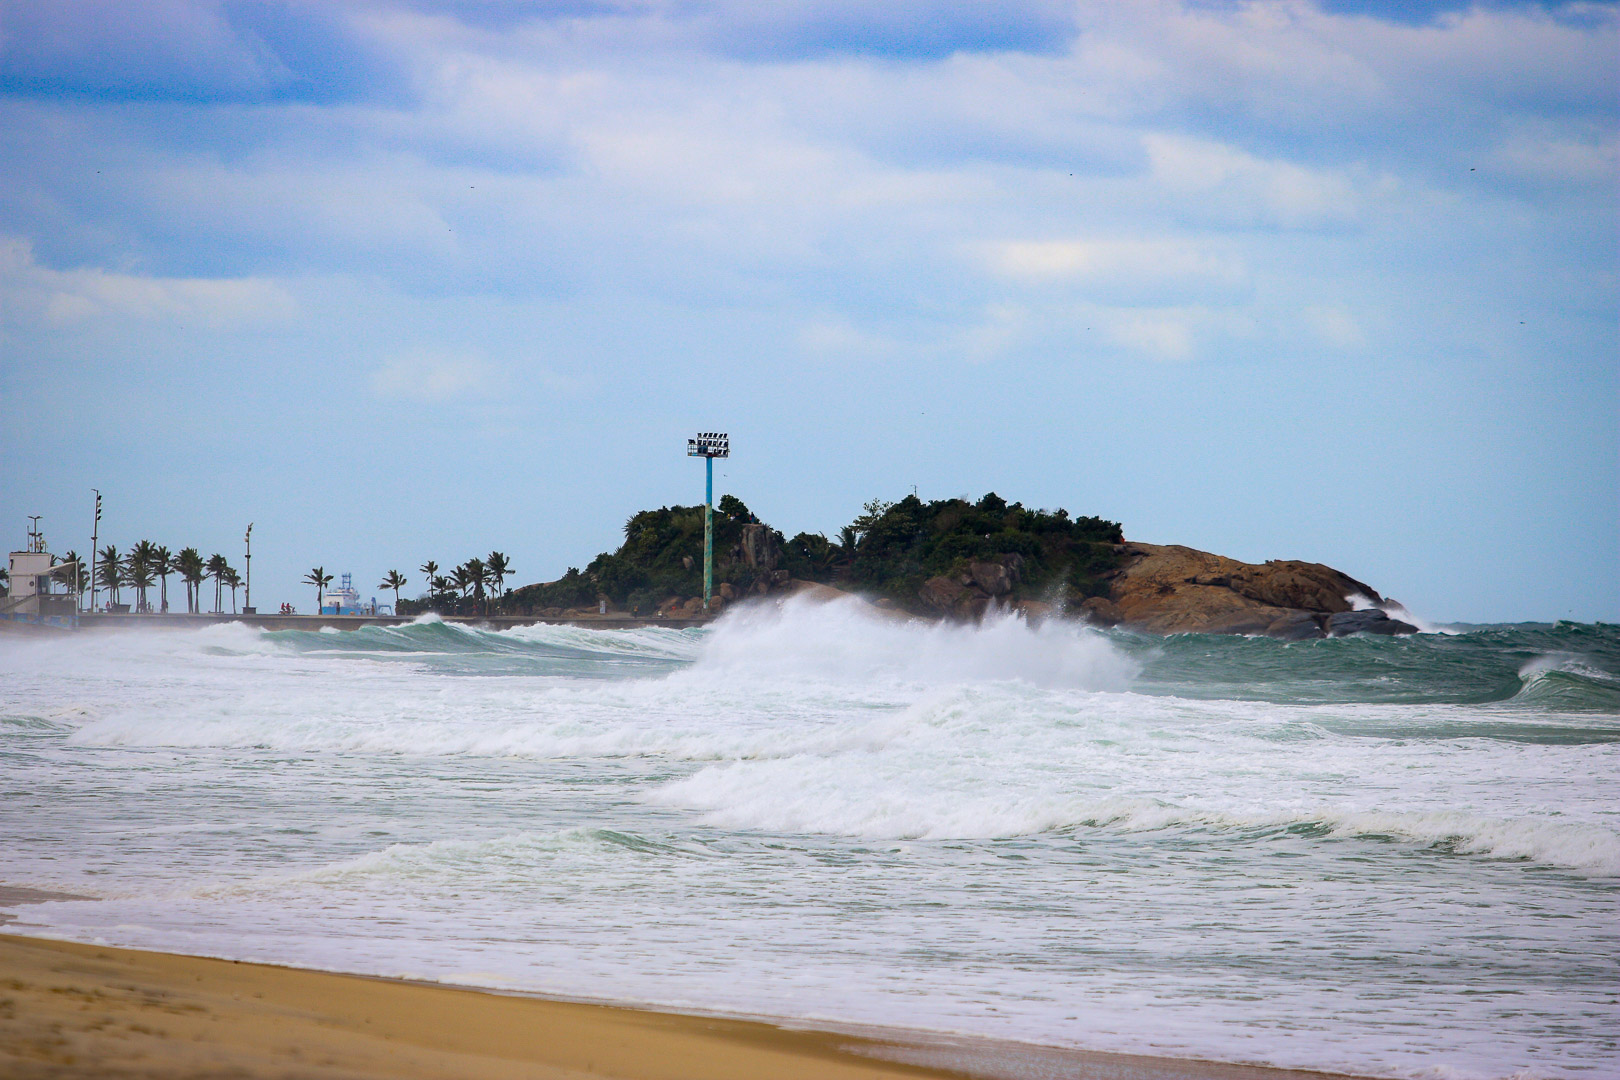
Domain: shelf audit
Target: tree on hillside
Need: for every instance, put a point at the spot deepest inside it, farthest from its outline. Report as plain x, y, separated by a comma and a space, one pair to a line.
319, 578
216, 568
189, 565
394, 580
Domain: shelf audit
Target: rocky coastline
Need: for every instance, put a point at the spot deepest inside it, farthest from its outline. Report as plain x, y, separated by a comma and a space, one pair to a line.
1172, 589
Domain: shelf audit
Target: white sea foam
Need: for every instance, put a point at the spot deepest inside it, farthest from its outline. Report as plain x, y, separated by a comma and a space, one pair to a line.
820, 811
843, 642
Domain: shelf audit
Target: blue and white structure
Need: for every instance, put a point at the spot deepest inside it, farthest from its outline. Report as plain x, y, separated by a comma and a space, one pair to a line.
708, 445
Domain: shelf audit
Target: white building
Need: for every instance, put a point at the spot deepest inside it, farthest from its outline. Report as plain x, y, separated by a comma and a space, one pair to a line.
42, 587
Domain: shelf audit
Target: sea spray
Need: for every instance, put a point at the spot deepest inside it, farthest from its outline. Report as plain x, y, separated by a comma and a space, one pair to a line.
846, 641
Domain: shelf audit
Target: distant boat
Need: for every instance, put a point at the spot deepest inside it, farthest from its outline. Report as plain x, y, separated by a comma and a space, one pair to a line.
345, 600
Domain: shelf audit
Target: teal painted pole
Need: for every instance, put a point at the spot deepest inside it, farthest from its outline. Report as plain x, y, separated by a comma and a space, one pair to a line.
708, 531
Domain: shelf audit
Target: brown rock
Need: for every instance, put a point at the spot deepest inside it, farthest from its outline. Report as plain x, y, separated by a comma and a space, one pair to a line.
1169, 589
994, 578
1101, 611
759, 548
1033, 611
943, 594
726, 591
949, 597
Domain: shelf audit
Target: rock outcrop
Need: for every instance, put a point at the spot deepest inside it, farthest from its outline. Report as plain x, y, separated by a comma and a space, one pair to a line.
758, 547
1156, 589
968, 594
1169, 589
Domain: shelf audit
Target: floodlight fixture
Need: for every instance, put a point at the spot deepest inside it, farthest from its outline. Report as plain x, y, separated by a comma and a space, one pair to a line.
708, 445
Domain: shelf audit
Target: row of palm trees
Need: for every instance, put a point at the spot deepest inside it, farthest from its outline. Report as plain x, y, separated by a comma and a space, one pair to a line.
475, 580
148, 564
467, 581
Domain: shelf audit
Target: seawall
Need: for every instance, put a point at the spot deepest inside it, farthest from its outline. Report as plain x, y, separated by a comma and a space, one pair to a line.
101, 620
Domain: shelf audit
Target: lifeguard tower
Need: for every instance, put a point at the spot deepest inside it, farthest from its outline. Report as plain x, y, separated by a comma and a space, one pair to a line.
44, 591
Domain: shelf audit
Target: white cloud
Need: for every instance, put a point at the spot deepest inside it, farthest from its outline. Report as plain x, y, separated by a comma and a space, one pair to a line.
1219, 180
837, 338
1333, 325
1094, 260
434, 377
1560, 157
1158, 336
69, 296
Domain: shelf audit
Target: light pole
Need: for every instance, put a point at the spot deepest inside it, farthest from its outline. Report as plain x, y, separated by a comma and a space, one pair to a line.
95, 538
708, 445
247, 602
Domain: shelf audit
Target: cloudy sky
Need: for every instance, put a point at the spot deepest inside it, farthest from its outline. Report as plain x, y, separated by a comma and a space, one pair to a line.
411, 279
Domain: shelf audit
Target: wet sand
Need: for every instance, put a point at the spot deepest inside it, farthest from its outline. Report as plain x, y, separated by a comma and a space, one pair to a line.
78, 1011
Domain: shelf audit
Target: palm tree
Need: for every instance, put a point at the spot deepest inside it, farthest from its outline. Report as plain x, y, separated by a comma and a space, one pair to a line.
77, 572
499, 566
163, 567
319, 578
233, 581
216, 569
395, 580
430, 572
471, 575
189, 565
109, 570
141, 564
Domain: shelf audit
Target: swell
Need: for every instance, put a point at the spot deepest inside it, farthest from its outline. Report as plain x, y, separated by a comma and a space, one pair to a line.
1560, 667
742, 802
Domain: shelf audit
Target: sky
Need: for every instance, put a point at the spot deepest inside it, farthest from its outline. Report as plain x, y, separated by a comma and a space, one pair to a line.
400, 280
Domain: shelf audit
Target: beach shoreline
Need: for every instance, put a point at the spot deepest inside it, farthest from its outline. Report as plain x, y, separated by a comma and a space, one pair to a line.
72, 1010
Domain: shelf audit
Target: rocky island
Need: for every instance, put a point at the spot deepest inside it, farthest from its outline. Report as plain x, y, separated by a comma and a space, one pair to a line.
956, 559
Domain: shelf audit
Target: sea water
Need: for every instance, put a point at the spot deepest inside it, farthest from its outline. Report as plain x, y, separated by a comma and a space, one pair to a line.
1388, 856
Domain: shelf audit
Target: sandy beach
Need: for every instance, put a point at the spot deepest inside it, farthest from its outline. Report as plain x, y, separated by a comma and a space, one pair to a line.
72, 1010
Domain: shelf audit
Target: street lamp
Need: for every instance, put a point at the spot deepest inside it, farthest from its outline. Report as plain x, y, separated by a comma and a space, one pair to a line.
247, 603
708, 445
95, 538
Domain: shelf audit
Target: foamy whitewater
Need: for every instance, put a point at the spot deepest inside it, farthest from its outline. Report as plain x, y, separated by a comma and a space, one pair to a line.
1391, 857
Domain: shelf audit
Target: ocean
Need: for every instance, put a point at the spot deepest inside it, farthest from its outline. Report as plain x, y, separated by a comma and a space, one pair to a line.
1397, 857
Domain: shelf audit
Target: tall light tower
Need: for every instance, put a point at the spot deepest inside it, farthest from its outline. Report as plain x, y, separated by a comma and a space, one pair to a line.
95, 538
708, 445
247, 603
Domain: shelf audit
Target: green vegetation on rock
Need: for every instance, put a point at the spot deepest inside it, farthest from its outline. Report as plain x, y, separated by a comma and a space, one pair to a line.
899, 546
661, 557
890, 551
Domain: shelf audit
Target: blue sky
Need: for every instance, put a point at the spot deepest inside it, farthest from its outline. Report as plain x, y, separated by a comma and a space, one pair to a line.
410, 280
